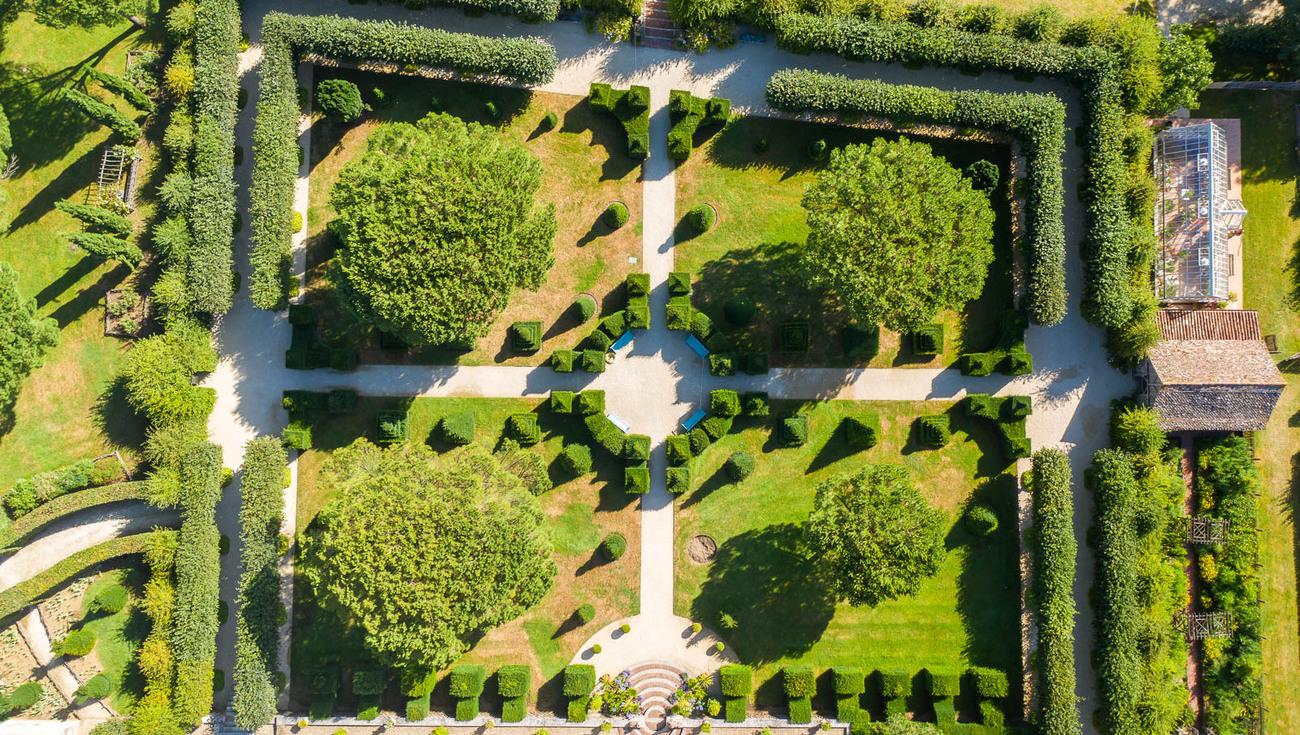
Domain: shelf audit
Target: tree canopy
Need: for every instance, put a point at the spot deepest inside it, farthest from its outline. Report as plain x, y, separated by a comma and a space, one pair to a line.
81, 13
877, 534
24, 338
439, 225
1187, 67
422, 552
897, 233
340, 98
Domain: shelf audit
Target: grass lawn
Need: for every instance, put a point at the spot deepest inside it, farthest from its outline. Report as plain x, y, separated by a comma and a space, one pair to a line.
579, 513
1069, 8
1271, 255
117, 636
967, 614
66, 410
584, 168
753, 249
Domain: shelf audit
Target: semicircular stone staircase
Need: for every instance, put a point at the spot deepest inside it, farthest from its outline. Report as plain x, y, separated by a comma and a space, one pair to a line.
654, 683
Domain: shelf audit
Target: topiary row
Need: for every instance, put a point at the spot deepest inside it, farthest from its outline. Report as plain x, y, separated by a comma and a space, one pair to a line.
198, 574
688, 114
1054, 548
579, 681
275, 144
631, 107
1038, 121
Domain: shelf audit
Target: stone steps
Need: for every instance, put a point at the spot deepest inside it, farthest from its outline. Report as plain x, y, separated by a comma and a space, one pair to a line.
655, 684
657, 27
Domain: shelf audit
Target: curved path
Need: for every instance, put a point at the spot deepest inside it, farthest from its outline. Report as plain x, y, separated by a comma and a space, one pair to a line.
1072, 385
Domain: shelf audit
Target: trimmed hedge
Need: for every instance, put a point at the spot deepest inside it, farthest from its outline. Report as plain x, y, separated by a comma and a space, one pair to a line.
861, 432
679, 479
562, 401
1054, 548
536, 11
631, 107
524, 428
688, 113
636, 479
579, 680
68, 504
466, 685
1037, 120
606, 434
513, 683
591, 402
678, 449
29, 493
198, 573
736, 682
275, 144
794, 431
1119, 621
122, 88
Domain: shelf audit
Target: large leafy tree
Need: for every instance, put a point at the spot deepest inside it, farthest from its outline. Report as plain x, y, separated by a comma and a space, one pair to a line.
439, 225
24, 338
421, 553
82, 13
897, 233
1187, 68
878, 536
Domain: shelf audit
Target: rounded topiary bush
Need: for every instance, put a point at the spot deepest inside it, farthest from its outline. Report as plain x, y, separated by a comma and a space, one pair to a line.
339, 98
615, 215
739, 310
614, 546
701, 218
96, 687
109, 600
740, 465
983, 175
575, 460
77, 643
981, 520
549, 121
586, 613
584, 307
818, 151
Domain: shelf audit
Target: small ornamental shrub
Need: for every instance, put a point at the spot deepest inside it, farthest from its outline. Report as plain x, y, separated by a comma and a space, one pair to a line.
895, 683
297, 435
739, 310
593, 361
862, 432
979, 364
723, 402
755, 404
392, 427
638, 312
933, 431
77, 643
800, 710
514, 680
586, 613
943, 683
679, 480
491, 111
984, 175
597, 340
526, 336
756, 363
678, 449
548, 122
625, 628
980, 520
563, 361
989, 683
575, 460
614, 546
416, 709
1137, 430
339, 98
722, 364
794, 431
818, 151
636, 480
614, 325
740, 465
700, 440
678, 313
584, 308
591, 402
457, 428
848, 680
928, 340
795, 337
562, 401
638, 284
679, 283
467, 680
524, 428
615, 215
110, 600
992, 716
96, 687
701, 325
716, 427
860, 342
735, 709
700, 219
636, 448
25, 695
798, 682
982, 405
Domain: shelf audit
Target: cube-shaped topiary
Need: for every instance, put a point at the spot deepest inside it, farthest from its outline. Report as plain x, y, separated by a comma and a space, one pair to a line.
859, 341
579, 680
1018, 362
861, 432
679, 480
597, 340
701, 325
945, 711
578, 709
991, 716
417, 708
848, 680
739, 466
341, 400
720, 342
593, 361
756, 363
795, 337
933, 431
699, 440
514, 680
563, 361
678, 448
736, 680
636, 448
943, 682
1017, 407
636, 480
369, 682
368, 707
722, 364
575, 460
1017, 447
896, 708
717, 110
514, 709
392, 427
614, 325
927, 340
989, 683
524, 428
638, 284
979, 364
848, 707
678, 313
895, 683
735, 709
467, 680
800, 710
983, 406
562, 401
679, 283
755, 404
638, 312
526, 336
591, 402
794, 431
606, 434
457, 428
716, 426
724, 402
798, 682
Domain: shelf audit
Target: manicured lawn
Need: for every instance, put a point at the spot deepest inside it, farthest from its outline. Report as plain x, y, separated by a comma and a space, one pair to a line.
584, 171
967, 614
1069, 8
753, 249
117, 637
60, 415
579, 513
1271, 253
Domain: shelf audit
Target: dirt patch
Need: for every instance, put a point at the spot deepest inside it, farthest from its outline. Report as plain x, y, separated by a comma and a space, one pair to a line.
701, 549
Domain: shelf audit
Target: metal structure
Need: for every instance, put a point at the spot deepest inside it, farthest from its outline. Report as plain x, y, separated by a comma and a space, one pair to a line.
1194, 218
1201, 625
112, 167
1201, 530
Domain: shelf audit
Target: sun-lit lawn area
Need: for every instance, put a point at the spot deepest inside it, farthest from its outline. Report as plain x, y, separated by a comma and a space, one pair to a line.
753, 250
966, 615
59, 417
579, 514
1271, 242
117, 636
1069, 8
584, 170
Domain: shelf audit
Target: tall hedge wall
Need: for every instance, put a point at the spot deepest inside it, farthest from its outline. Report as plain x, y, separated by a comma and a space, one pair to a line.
1054, 554
1037, 120
1107, 300
198, 573
257, 625
541, 11
212, 215
1119, 618
275, 158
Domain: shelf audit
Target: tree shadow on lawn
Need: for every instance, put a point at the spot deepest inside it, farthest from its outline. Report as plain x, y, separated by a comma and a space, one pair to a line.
835, 449
765, 580
606, 133
116, 420
774, 278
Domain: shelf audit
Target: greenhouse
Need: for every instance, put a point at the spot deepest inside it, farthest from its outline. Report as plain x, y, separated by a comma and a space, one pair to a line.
1194, 216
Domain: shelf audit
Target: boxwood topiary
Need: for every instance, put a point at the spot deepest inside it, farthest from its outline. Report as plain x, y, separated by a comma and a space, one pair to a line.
614, 546
740, 465
1018, 362
722, 364
96, 687
638, 284
794, 431
597, 340
756, 363
862, 432
563, 361
636, 480
755, 404
562, 401
524, 428
636, 448
735, 680
679, 283
848, 680
593, 361
678, 449
1017, 407
724, 402
700, 219
575, 460
989, 683
615, 215
340, 99
798, 682
933, 431
699, 440
716, 426
457, 428
927, 340
584, 308
526, 336
467, 680
110, 600
580, 679
614, 324
591, 402
980, 520
800, 710
979, 364
679, 479
895, 683
638, 312
77, 643
795, 337
983, 174
678, 313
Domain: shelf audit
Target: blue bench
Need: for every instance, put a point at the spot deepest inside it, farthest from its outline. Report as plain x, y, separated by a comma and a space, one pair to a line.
697, 345
695, 418
622, 342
